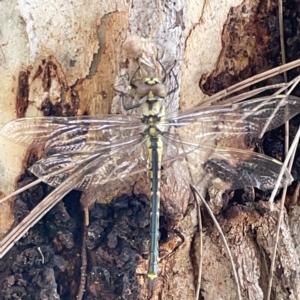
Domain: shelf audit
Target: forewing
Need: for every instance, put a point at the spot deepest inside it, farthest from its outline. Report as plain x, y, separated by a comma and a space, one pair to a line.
248, 117
60, 134
95, 148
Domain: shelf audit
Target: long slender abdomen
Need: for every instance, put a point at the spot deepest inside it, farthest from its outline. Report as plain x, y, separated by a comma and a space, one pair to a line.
155, 154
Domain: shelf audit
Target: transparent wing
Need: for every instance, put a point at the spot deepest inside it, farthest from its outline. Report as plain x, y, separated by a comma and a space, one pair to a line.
106, 144
71, 134
227, 168
248, 117
95, 141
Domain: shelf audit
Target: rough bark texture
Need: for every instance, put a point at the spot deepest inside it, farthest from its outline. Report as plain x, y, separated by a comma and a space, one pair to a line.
63, 58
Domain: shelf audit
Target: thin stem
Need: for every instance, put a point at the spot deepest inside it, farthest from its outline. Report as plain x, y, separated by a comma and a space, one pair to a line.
224, 241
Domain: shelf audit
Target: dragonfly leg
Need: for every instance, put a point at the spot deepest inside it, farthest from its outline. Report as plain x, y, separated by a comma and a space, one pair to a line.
164, 79
131, 80
176, 81
164, 69
126, 107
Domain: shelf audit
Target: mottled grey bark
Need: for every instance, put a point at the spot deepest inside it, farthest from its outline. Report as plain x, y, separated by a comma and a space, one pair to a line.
71, 54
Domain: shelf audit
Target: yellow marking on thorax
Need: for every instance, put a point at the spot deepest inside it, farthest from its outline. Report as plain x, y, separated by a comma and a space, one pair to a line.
151, 96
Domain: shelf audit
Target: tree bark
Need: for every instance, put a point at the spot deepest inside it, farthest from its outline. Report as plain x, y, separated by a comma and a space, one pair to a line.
59, 58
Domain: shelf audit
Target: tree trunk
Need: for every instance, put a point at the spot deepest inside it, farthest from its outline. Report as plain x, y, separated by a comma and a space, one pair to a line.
63, 59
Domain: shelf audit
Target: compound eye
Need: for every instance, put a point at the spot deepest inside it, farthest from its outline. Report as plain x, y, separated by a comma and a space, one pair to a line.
143, 90
159, 90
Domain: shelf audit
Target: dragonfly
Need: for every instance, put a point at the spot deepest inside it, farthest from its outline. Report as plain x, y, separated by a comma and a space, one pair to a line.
95, 154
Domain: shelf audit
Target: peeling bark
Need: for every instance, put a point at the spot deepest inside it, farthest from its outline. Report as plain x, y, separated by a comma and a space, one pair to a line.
64, 59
